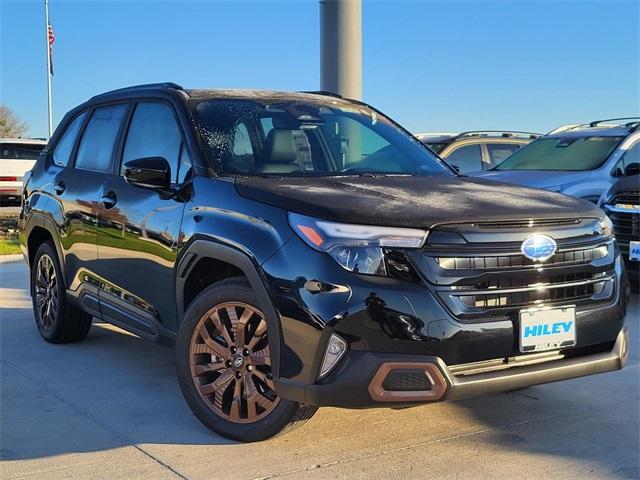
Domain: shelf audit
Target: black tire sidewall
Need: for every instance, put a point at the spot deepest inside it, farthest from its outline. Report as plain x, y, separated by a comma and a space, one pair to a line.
274, 422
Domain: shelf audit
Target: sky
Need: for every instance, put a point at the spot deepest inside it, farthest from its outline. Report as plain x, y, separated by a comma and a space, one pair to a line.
434, 66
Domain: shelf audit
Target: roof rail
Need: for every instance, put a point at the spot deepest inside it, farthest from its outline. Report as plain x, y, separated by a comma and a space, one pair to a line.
501, 133
326, 93
597, 122
146, 86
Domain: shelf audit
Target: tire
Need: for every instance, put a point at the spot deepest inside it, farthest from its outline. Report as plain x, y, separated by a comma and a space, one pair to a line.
58, 321
226, 385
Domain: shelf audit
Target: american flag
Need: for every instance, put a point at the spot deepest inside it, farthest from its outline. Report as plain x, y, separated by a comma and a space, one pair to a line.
52, 39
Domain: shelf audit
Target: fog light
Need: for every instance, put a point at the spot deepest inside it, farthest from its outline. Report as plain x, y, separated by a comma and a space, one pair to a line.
336, 348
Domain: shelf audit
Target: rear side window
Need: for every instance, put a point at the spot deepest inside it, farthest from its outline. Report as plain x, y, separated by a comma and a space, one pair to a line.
99, 139
499, 152
154, 133
62, 152
467, 158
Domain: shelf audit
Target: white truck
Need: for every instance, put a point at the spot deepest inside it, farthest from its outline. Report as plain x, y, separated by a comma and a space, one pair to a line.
17, 156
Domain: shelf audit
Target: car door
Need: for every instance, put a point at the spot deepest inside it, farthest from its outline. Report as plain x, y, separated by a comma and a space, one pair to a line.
81, 167
140, 227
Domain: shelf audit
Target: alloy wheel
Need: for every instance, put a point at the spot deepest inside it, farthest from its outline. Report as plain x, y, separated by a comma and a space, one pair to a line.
230, 362
46, 292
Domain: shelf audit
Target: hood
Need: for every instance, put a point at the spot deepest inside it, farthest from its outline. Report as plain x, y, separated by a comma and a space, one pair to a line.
411, 201
534, 178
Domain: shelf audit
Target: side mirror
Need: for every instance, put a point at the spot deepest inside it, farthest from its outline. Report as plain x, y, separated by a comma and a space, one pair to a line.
632, 169
148, 172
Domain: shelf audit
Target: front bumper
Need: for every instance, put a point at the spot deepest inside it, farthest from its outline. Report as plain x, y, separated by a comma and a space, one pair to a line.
359, 382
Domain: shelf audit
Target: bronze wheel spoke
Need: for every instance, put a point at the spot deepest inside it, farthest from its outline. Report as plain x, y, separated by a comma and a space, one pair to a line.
219, 384
236, 402
266, 380
206, 368
259, 333
261, 357
211, 343
215, 319
242, 391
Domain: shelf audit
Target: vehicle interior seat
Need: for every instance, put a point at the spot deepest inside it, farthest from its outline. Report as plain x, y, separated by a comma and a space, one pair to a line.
280, 154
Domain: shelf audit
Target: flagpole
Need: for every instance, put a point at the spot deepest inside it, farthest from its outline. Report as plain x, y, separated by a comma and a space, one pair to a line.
46, 30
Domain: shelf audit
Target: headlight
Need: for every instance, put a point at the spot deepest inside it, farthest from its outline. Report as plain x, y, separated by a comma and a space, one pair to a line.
553, 188
357, 248
606, 225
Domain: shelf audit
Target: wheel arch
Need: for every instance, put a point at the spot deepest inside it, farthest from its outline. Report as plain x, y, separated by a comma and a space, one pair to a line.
39, 230
200, 249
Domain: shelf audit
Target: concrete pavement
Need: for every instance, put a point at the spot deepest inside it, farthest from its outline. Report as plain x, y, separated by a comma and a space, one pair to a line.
109, 407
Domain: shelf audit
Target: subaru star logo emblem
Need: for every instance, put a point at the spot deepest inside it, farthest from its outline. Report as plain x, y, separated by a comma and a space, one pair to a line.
538, 247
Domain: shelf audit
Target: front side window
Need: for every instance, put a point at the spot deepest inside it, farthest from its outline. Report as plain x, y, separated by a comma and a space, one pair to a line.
154, 132
498, 152
62, 152
99, 139
629, 164
562, 154
300, 138
466, 159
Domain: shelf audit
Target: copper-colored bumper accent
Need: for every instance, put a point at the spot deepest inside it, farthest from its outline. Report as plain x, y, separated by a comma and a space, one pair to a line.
438, 384
624, 347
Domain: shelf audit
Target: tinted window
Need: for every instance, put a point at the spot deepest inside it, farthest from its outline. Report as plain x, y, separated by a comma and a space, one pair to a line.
319, 137
500, 151
436, 147
562, 153
16, 151
629, 164
62, 152
154, 133
467, 158
99, 139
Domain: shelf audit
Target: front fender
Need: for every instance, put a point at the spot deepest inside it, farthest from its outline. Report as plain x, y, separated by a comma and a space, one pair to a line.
204, 247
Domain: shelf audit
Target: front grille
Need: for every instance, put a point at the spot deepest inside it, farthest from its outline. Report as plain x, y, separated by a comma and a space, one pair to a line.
519, 261
627, 198
624, 212
551, 293
488, 277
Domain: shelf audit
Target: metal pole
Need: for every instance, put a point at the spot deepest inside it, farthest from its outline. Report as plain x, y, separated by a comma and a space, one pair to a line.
46, 35
341, 47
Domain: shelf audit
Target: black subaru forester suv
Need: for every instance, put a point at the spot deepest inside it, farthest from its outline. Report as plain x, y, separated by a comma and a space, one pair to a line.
301, 250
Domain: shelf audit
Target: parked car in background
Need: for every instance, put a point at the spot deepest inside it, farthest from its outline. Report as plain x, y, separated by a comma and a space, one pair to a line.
476, 150
17, 156
622, 204
579, 160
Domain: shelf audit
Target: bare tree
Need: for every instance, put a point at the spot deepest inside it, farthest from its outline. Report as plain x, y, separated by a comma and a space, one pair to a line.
11, 125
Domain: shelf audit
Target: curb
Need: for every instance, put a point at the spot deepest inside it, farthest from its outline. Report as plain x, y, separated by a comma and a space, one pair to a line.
11, 258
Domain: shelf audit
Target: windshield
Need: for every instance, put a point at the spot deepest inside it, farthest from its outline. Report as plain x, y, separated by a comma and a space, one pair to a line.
304, 138
565, 154
17, 151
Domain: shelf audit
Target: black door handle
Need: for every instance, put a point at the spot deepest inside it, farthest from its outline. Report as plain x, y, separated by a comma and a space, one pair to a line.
59, 187
109, 200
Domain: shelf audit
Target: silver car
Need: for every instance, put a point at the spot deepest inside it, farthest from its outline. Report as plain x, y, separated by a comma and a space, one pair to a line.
579, 160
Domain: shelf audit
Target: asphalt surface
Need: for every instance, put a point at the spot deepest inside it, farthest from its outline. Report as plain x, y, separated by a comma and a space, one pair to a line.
109, 407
